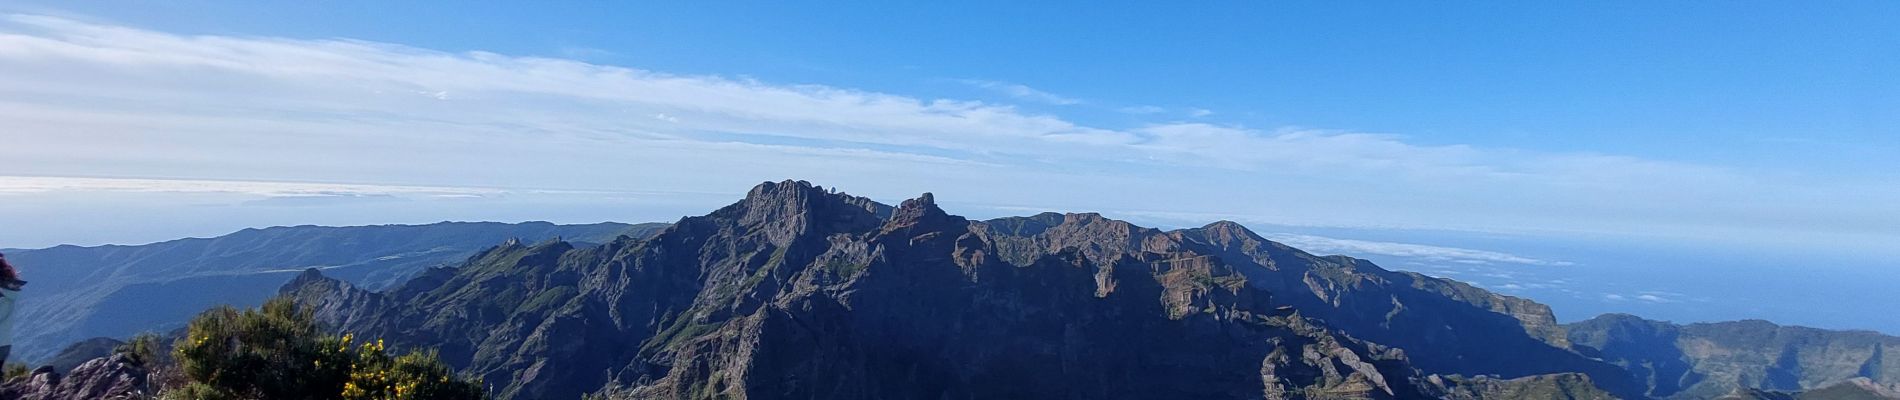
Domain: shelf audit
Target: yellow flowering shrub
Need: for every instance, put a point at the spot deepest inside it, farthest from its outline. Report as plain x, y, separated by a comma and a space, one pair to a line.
413, 376
277, 352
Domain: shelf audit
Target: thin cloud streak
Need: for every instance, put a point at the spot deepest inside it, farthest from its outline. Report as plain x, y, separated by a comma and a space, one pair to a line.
23, 185
1351, 247
1023, 92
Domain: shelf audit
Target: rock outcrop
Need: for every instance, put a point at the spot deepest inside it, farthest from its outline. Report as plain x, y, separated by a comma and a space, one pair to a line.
117, 377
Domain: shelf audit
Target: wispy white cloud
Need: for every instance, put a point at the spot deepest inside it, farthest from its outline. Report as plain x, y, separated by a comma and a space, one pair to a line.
1141, 110
18, 185
1659, 296
1190, 112
1329, 245
585, 52
1647, 296
1021, 91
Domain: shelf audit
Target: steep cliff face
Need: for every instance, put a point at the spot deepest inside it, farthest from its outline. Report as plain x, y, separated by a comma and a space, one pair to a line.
799, 292
1705, 360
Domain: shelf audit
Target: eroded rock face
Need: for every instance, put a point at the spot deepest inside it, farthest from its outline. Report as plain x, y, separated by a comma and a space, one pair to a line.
800, 292
117, 377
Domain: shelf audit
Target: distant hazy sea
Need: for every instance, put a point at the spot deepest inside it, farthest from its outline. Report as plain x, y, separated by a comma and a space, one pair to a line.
1667, 281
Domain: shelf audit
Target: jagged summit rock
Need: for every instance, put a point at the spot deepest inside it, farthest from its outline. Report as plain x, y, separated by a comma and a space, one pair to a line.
920, 210
309, 275
925, 200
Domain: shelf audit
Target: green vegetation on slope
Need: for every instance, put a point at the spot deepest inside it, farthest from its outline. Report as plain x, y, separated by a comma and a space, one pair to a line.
277, 352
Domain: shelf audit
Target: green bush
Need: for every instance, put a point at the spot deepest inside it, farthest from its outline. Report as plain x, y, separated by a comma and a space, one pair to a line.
16, 371
413, 376
145, 348
278, 352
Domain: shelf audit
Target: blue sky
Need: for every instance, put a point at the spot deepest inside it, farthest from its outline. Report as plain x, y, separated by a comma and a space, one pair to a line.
1363, 129
1724, 83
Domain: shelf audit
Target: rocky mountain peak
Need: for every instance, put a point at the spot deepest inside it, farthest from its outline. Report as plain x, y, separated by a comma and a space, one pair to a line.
782, 210
770, 200
917, 209
1228, 232
1228, 227
925, 200
768, 186
309, 276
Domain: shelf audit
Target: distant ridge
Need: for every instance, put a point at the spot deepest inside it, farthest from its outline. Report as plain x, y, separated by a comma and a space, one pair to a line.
80, 292
1705, 360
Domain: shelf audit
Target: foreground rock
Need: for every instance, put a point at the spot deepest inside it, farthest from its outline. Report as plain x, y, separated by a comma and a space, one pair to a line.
116, 377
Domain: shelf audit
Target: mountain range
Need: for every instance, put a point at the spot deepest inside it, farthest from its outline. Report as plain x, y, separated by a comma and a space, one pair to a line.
1704, 360
116, 290
798, 291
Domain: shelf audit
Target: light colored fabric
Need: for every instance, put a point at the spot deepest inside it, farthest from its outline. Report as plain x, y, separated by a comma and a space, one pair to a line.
6, 315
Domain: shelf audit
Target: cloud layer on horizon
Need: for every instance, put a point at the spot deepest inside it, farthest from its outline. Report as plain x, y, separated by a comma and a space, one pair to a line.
1428, 253
95, 99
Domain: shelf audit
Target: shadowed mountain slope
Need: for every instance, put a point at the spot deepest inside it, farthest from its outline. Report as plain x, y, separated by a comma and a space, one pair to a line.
116, 291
